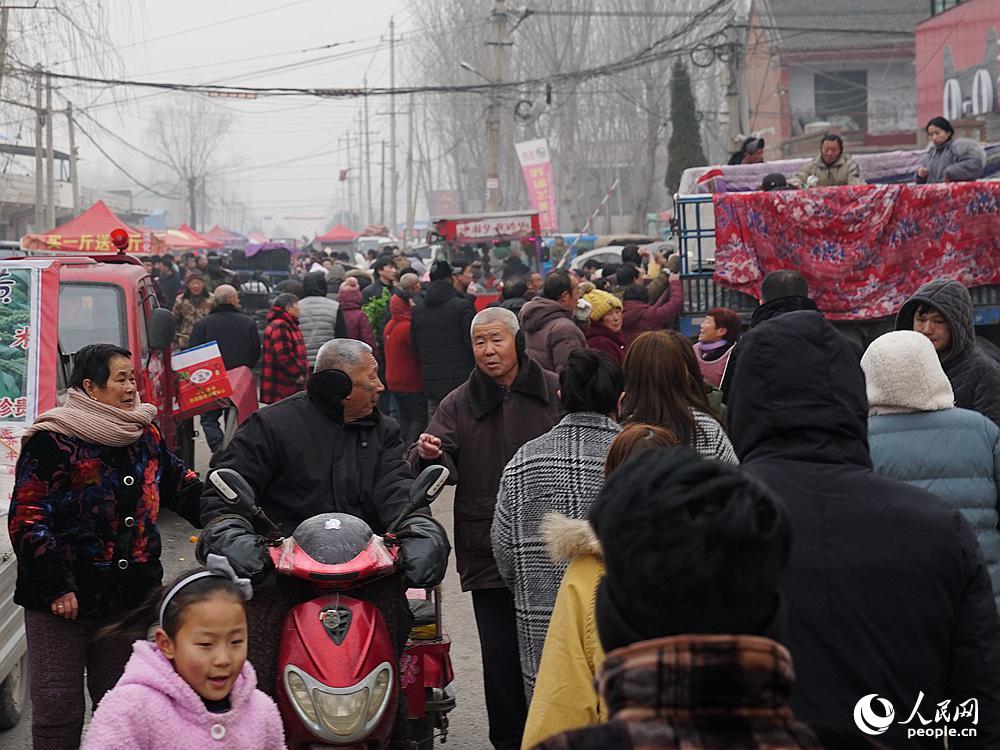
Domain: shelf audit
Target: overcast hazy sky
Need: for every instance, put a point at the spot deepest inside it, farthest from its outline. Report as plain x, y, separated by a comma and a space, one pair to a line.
223, 41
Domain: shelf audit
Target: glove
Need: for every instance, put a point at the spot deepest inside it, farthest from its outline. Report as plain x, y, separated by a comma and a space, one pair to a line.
423, 551
582, 312
233, 537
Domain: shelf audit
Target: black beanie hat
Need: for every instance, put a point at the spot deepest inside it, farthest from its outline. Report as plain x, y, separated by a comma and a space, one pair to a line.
690, 546
440, 270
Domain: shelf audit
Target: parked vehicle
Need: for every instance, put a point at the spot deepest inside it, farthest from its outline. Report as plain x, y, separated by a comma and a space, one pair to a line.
337, 674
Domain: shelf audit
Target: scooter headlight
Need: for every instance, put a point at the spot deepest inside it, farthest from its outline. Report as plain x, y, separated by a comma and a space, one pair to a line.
380, 691
342, 713
300, 696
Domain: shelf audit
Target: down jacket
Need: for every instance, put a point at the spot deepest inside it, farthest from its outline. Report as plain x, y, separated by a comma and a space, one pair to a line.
153, 708
886, 588
442, 337
974, 377
561, 471
565, 696
319, 318
550, 333
955, 160
918, 437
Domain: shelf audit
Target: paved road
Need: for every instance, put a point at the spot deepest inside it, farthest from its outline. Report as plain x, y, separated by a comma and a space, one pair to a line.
469, 729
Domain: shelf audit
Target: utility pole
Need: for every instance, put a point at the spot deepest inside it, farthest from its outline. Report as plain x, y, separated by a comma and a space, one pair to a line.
39, 185
74, 176
4, 14
393, 177
381, 211
499, 45
50, 161
736, 94
368, 160
349, 219
410, 207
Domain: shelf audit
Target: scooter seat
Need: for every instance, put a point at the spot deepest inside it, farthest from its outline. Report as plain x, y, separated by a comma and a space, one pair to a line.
423, 612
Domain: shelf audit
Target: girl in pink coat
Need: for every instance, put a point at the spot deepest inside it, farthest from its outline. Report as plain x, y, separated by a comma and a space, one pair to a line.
193, 687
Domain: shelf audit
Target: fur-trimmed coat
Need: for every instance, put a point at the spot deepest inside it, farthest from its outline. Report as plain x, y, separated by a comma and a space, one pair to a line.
565, 696
560, 472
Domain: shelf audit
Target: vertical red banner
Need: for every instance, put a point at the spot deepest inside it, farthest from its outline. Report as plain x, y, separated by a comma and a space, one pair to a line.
536, 165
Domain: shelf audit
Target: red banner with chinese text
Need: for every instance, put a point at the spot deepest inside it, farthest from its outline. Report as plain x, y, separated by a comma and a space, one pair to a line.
536, 164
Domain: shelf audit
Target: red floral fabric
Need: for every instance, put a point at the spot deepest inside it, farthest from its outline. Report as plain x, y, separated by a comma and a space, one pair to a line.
864, 250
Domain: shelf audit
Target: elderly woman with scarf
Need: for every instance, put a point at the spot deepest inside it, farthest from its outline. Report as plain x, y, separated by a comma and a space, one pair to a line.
89, 484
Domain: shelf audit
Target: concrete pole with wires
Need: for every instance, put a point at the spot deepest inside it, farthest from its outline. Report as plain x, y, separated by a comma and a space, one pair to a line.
499, 44
368, 162
39, 177
393, 176
50, 161
74, 176
410, 198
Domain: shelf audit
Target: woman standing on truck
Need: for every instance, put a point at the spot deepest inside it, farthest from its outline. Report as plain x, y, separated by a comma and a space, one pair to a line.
89, 483
191, 307
950, 159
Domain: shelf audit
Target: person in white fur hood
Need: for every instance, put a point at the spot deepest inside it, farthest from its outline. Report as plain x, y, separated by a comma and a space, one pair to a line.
917, 435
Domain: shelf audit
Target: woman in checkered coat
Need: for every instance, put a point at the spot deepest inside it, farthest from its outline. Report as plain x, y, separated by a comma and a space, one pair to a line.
562, 472
284, 364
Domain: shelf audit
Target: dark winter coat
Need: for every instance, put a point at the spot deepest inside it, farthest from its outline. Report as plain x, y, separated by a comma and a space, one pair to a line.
170, 285
514, 304
319, 318
402, 365
640, 317
302, 460
702, 692
442, 337
550, 332
955, 160
285, 367
68, 510
603, 339
234, 332
481, 426
886, 587
975, 377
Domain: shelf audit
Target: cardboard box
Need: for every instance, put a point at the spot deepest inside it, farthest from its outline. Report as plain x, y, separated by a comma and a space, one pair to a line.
201, 377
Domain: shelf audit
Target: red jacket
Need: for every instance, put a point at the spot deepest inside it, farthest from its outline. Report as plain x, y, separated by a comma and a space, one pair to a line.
357, 323
638, 317
284, 365
402, 365
603, 339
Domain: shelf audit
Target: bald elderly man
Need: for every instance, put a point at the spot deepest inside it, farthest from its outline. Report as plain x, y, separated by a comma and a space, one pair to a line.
238, 340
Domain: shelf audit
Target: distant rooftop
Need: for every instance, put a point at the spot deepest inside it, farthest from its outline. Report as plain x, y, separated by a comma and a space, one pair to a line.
812, 25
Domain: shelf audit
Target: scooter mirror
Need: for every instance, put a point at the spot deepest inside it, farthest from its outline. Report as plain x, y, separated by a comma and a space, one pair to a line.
233, 489
427, 487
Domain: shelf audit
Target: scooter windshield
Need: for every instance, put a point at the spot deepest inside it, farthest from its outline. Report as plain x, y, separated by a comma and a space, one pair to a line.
333, 538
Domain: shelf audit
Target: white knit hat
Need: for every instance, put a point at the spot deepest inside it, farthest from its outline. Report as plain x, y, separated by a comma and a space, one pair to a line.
903, 374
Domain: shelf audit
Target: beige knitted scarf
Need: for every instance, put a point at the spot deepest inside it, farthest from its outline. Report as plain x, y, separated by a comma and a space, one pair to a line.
82, 417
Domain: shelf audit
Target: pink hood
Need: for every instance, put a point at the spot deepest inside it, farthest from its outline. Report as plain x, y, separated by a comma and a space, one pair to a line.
152, 708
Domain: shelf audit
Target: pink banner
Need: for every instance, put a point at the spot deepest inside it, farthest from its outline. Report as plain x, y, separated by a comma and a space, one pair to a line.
537, 168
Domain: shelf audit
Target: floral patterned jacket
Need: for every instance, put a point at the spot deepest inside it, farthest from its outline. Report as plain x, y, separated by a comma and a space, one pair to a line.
83, 519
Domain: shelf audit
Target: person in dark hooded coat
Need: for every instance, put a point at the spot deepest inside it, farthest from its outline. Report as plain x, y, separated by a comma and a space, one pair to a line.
887, 592
942, 311
441, 335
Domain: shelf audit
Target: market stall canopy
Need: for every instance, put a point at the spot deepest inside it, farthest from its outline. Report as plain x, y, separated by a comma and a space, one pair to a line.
256, 238
90, 233
212, 242
226, 236
337, 235
186, 238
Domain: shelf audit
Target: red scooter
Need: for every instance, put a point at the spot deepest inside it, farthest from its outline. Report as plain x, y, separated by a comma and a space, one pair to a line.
338, 681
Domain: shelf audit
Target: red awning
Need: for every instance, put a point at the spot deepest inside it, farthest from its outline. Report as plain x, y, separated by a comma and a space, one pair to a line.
186, 238
222, 235
339, 233
90, 233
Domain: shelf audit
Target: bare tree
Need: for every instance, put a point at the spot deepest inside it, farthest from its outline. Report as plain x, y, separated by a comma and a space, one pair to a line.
189, 136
